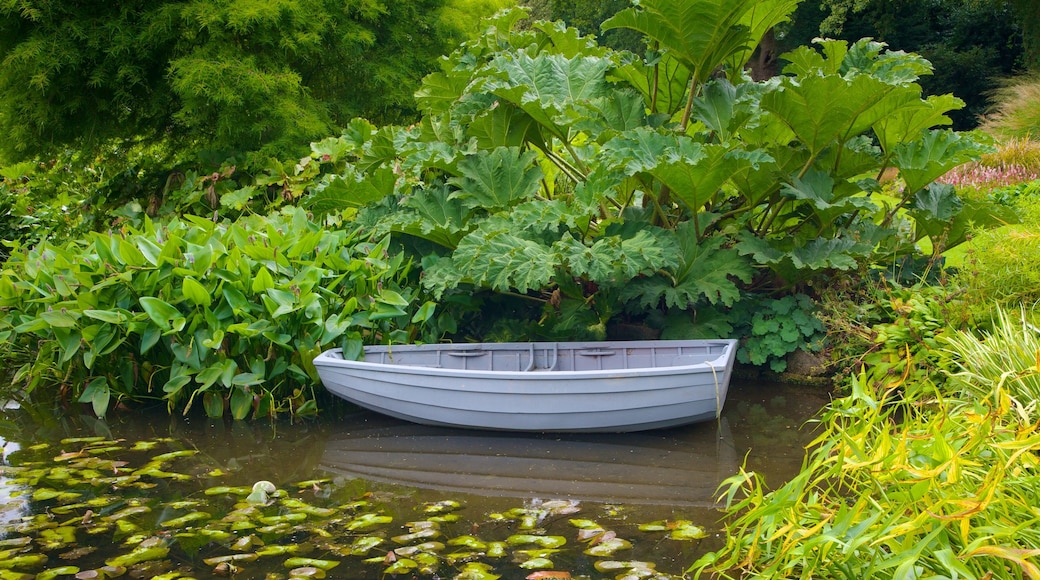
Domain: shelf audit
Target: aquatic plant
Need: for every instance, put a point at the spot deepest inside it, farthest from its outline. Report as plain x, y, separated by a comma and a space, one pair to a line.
144, 516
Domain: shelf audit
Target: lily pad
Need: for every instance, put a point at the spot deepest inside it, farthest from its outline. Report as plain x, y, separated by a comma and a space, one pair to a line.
440, 507
543, 541
608, 547
297, 562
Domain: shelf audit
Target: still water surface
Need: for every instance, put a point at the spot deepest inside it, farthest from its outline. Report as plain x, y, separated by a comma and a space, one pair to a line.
505, 486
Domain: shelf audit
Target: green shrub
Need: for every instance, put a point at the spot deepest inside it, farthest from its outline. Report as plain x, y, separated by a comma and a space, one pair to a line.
228, 314
776, 327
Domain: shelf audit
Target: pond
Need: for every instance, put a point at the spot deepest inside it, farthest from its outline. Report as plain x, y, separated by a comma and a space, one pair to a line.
358, 495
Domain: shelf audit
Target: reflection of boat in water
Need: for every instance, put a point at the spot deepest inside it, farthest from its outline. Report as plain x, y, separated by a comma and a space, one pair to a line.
671, 468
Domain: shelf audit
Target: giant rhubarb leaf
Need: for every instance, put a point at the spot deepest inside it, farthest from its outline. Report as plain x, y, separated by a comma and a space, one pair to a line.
547, 85
707, 271
498, 179
935, 152
701, 34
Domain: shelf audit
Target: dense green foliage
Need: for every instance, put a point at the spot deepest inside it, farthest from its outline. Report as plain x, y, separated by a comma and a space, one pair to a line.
231, 75
907, 479
971, 43
193, 311
610, 188
552, 188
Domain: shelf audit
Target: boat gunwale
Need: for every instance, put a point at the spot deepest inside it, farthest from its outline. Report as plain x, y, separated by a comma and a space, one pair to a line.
719, 365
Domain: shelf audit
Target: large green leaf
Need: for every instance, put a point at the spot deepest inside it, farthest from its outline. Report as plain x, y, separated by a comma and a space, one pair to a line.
351, 189
503, 261
663, 83
818, 189
935, 152
546, 85
824, 110
708, 271
910, 121
701, 34
436, 216
498, 179
695, 182
615, 259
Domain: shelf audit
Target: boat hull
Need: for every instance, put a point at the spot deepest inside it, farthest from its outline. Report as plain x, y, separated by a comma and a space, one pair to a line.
539, 386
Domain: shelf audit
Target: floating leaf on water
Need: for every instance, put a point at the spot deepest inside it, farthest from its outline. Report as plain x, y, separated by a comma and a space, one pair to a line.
52, 573
182, 504
127, 512
445, 518
439, 507
304, 507
226, 490
419, 535
23, 561
640, 569
139, 555
468, 541
543, 541
127, 527
310, 483
537, 564
18, 542
279, 528
364, 544
365, 521
247, 557
174, 455
278, 550
103, 450
284, 518
586, 524
55, 538
307, 572
71, 440
246, 543
46, 493
496, 549
608, 547
186, 519
144, 445
428, 563
303, 562
476, 571
401, 566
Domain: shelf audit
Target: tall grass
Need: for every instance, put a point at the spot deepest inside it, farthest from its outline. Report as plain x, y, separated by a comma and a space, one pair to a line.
903, 482
1016, 109
1000, 366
